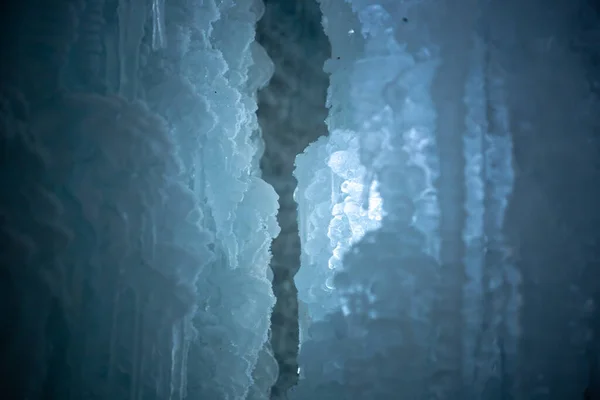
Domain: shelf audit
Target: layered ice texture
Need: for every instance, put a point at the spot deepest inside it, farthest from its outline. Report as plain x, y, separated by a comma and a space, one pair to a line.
378, 212
333, 216
225, 70
156, 242
214, 68
410, 286
382, 124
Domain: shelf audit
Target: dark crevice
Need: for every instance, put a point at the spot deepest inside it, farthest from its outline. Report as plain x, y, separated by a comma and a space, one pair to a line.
295, 41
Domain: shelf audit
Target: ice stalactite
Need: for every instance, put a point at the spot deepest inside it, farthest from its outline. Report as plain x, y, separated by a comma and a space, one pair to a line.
144, 239
500, 332
89, 47
454, 37
159, 39
353, 214
422, 126
132, 16
501, 278
265, 374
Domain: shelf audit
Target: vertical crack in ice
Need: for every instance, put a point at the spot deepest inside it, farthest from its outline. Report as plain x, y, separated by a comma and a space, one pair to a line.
292, 113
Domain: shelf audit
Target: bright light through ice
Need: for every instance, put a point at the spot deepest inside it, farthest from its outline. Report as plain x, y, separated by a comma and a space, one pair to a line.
375, 210
352, 219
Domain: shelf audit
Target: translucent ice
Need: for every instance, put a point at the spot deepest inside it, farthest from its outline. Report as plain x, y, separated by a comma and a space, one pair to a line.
333, 215
216, 129
159, 39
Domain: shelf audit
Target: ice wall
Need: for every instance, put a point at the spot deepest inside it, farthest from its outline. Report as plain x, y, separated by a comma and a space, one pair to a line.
557, 127
292, 115
216, 70
417, 107
492, 295
157, 286
384, 286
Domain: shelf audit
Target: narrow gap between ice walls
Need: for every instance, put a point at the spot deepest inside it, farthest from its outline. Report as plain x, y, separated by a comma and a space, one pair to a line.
291, 114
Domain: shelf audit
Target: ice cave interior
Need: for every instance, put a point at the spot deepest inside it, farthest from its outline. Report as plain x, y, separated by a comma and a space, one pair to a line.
300, 200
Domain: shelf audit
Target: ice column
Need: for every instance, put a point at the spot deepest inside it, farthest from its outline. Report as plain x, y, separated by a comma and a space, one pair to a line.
158, 24
501, 278
381, 110
132, 16
395, 96
219, 143
473, 234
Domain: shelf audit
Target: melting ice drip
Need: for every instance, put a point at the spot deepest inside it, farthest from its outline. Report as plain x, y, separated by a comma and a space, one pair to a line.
352, 218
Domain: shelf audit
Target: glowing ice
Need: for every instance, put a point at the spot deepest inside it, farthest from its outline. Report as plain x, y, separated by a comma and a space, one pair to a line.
333, 214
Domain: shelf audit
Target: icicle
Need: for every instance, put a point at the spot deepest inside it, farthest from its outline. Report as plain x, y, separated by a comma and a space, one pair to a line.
501, 277
175, 353
188, 334
132, 17
182, 335
137, 351
159, 40
113, 340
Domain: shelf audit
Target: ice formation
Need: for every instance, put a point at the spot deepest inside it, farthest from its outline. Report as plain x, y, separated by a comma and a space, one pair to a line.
390, 302
139, 221
158, 24
334, 215
214, 68
240, 207
132, 15
146, 180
